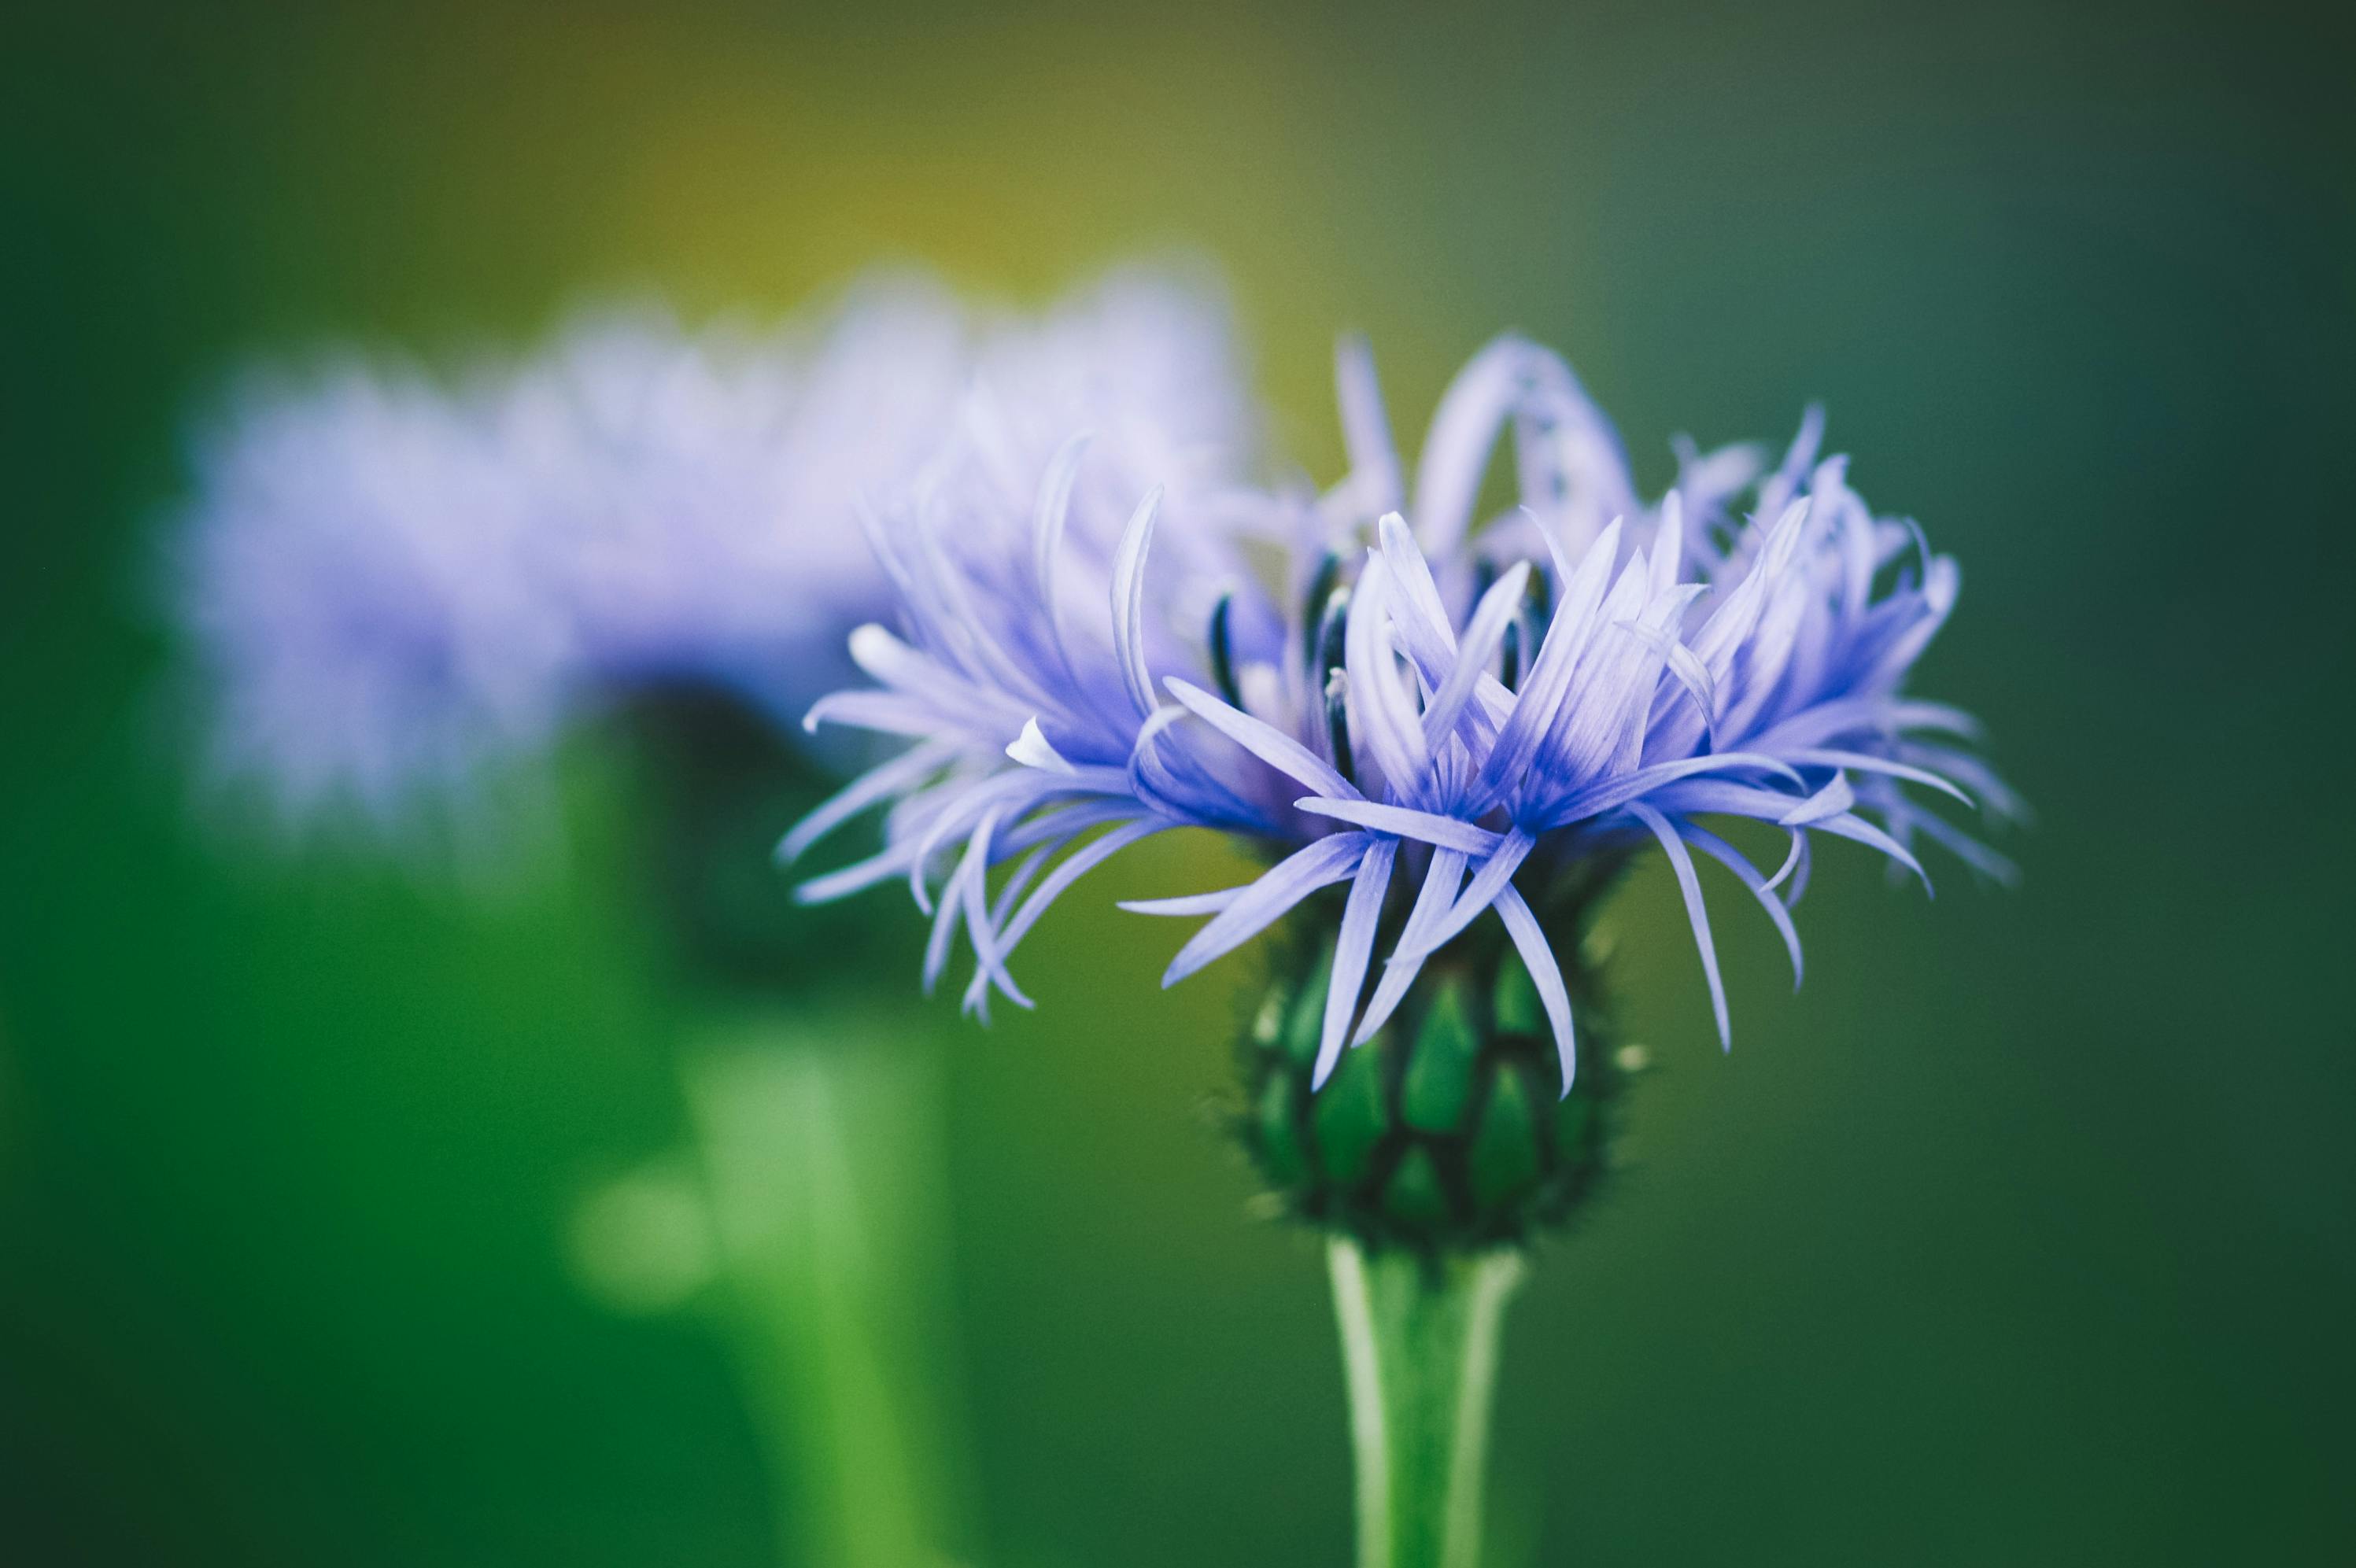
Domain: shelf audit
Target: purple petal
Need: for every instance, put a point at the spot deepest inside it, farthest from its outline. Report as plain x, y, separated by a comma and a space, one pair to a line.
1690, 886
1384, 712
1048, 521
1830, 801
1322, 864
1967, 848
1609, 793
1352, 951
1549, 678
855, 878
886, 712
1270, 745
1726, 855
1472, 413
1129, 603
1070, 870
1496, 874
953, 903
1413, 575
1186, 903
1483, 636
979, 933
1448, 832
1432, 902
1365, 428
1865, 762
1546, 975
1032, 750
878, 784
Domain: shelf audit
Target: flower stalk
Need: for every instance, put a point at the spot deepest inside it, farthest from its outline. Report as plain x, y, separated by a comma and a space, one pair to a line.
817, 1144
1420, 1338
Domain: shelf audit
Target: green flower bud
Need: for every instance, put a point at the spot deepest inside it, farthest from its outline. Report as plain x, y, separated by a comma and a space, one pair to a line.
1448, 1131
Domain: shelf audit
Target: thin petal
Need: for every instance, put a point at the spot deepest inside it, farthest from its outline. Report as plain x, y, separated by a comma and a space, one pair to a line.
1365, 428
886, 712
977, 991
1865, 762
1546, 975
1726, 855
1413, 574
1496, 874
1690, 886
877, 784
1322, 864
1186, 903
979, 933
1830, 801
1048, 521
953, 903
1033, 750
1448, 832
1987, 862
855, 878
1270, 745
1352, 952
1549, 678
1383, 711
1483, 636
1432, 902
1129, 603
1607, 794
1070, 870
1668, 543
1472, 413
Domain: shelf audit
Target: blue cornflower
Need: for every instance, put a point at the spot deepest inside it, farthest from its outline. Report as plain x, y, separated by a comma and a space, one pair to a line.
397, 586
1451, 719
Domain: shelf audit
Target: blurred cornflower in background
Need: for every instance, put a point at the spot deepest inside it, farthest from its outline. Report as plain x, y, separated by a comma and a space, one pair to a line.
391, 585
401, 593
1443, 714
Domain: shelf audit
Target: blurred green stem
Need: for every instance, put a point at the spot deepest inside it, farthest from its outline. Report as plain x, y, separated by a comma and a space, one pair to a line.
1420, 1348
819, 1144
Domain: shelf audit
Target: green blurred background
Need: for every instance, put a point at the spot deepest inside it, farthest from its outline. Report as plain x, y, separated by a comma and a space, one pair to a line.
2023, 1234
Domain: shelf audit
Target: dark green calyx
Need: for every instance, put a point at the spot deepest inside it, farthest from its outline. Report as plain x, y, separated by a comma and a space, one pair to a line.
712, 782
1448, 1131
1338, 724
1315, 604
1223, 650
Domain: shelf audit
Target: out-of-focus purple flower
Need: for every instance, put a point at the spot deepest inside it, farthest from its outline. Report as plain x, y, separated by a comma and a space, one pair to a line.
1449, 719
345, 581
395, 587
691, 497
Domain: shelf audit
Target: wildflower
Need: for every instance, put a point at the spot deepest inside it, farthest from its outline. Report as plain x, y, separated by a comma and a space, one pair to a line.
1419, 718
1446, 719
397, 589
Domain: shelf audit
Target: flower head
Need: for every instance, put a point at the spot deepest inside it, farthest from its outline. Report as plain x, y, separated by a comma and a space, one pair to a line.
395, 586
1452, 719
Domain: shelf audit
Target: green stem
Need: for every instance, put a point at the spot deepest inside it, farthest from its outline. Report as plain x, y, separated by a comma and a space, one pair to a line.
1420, 1348
820, 1148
